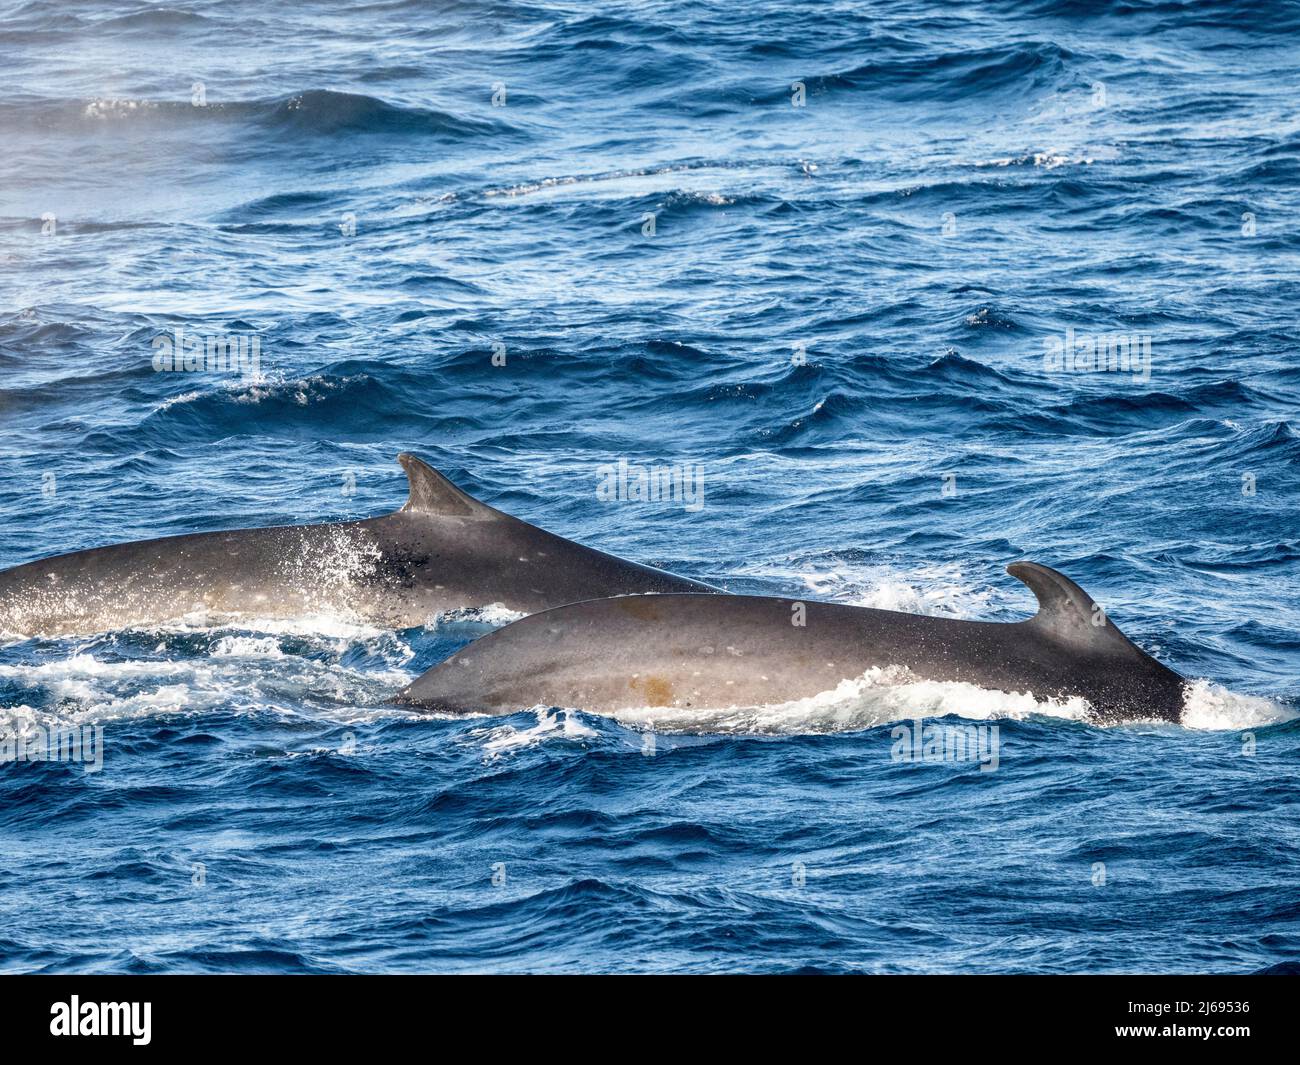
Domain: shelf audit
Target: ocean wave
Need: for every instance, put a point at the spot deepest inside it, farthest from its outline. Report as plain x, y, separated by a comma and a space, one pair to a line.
310, 113
355, 399
348, 671
323, 111
1024, 67
166, 19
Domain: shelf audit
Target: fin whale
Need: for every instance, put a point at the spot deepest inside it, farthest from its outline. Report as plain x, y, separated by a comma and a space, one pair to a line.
722, 651
443, 550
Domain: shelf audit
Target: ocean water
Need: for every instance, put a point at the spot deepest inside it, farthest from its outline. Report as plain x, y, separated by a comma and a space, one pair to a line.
822, 254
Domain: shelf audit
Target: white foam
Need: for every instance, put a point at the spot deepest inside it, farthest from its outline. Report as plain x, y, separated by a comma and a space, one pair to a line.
183, 397
884, 695
1053, 158
1211, 706
551, 724
494, 614
247, 647
253, 388
246, 669
939, 590
113, 108
82, 666
323, 626
682, 177
80, 702
877, 697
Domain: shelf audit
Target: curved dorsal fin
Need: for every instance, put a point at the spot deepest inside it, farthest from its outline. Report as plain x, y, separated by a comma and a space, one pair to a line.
432, 493
1066, 611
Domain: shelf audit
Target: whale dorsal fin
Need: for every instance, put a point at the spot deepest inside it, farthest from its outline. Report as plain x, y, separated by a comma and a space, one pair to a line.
1066, 611
432, 493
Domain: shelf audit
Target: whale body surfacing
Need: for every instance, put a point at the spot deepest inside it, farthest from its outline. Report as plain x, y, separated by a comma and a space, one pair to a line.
713, 652
443, 551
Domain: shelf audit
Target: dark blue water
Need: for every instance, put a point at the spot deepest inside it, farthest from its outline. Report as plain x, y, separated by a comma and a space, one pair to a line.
843, 316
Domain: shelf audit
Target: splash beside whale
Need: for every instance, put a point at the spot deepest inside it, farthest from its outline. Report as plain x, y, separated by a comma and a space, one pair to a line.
713, 652
443, 551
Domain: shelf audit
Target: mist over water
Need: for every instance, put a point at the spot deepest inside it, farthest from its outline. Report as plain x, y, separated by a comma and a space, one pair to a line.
901, 293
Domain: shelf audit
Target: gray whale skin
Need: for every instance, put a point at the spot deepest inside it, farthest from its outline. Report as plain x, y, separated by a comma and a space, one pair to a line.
443, 551
717, 651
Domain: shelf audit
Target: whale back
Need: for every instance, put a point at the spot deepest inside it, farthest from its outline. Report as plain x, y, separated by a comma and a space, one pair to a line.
690, 650
442, 550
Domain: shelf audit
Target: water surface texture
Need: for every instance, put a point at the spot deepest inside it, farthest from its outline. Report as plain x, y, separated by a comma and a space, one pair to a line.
820, 255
